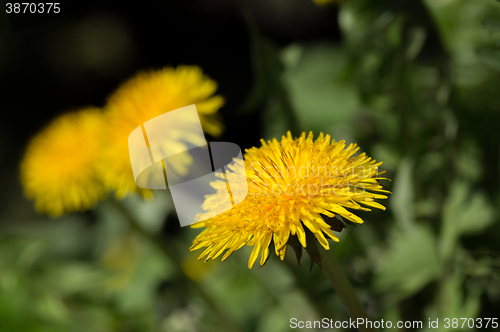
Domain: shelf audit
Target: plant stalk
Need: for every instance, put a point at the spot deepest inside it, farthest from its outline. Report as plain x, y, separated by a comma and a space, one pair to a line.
343, 288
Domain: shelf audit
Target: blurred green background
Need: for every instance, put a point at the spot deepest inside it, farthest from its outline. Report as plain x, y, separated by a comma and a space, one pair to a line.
415, 83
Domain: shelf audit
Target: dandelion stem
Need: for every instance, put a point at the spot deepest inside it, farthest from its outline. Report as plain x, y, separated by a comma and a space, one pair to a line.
343, 288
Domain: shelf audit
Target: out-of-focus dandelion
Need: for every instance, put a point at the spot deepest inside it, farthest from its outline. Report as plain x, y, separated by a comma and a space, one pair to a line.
143, 97
58, 170
290, 185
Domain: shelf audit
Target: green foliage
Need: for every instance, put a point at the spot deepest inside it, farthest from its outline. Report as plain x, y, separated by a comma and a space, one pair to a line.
321, 96
402, 202
415, 84
268, 90
491, 20
410, 264
463, 214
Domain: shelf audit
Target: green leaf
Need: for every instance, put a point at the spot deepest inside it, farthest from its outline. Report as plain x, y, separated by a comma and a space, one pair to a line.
51, 308
73, 277
464, 213
492, 20
150, 213
453, 302
141, 290
417, 37
272, 320
268, 90
319, 92
274, 120
409, 264
267, 71
266, 66
402, 200
490, 57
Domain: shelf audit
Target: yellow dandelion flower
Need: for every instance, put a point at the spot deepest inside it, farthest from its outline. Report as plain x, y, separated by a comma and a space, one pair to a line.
290, 185
146, 96
58, 170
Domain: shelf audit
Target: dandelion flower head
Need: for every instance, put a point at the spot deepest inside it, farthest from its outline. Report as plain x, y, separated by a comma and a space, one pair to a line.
58, 170
290, 185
